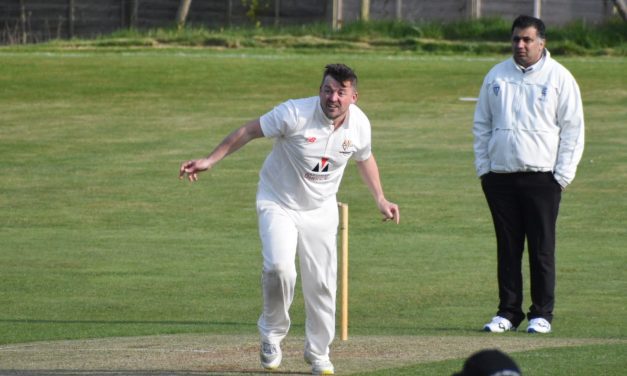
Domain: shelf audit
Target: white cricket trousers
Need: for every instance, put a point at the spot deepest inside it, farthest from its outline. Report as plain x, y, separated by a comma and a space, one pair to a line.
312, 234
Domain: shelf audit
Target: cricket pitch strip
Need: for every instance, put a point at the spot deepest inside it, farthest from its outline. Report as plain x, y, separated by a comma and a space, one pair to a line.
196, 354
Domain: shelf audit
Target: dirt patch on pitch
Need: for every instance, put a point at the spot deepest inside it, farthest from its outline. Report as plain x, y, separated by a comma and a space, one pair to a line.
238, 355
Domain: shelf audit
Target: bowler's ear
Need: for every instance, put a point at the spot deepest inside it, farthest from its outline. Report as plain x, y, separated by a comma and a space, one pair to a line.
355, 96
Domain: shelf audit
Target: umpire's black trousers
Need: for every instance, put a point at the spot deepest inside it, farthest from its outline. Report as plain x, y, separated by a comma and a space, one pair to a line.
524, 205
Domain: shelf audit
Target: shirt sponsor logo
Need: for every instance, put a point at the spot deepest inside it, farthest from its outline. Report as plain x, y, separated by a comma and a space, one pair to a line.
323, 166
314, 175
316, 178
311, 140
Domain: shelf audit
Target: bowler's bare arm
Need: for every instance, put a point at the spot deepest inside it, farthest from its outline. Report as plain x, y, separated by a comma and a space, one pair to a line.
369, 172
234, 141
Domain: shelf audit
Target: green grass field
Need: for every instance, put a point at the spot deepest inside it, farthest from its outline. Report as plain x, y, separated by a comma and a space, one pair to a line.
98, 237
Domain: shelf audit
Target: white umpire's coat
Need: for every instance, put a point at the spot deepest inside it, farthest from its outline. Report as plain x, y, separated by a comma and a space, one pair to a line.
529, 120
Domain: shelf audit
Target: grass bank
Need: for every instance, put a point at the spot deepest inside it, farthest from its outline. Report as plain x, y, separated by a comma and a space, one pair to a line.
480, 37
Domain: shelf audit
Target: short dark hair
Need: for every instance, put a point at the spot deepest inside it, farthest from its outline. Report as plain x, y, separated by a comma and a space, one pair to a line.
340, 73
489, 362
523, 22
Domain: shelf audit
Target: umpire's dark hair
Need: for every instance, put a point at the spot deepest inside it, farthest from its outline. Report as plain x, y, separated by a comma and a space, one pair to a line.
523, 22
341, 73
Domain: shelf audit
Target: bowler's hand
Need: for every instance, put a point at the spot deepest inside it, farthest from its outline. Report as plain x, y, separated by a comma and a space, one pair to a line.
192, 168
390, 211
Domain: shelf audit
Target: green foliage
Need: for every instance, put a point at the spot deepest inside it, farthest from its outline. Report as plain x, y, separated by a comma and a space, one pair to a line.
479, 37
485, 29
610, 34
253, 7
379, 29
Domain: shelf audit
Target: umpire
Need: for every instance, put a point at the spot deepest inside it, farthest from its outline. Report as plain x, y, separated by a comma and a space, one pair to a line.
528, 140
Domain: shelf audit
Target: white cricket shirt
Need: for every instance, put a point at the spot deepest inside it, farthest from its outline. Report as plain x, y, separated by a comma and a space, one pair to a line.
307, 161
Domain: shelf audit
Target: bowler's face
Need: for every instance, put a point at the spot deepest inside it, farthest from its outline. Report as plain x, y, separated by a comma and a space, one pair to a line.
527, 46
336, 97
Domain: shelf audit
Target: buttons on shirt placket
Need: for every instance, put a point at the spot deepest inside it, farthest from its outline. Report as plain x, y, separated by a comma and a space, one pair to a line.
332, 132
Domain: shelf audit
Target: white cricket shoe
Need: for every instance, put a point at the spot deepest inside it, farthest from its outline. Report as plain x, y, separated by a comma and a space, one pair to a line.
270, 355
319, 367
498, 325
322, 367
539, 325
